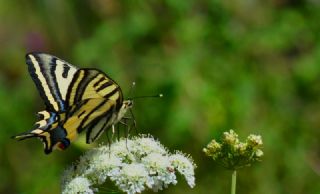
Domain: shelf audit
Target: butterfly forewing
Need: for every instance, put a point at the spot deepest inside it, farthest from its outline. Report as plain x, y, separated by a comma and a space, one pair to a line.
52, 77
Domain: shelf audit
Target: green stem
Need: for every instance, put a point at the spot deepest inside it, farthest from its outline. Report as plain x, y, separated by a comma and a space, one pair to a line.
234, 182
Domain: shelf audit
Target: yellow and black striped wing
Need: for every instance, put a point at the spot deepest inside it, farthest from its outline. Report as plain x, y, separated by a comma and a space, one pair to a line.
62, 85
91, 84
52, 77
93, 117
95, 99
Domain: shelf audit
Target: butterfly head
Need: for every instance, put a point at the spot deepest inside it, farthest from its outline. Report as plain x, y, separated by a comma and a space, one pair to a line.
126, 105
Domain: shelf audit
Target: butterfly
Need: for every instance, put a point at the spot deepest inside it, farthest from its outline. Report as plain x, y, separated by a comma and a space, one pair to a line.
76, 100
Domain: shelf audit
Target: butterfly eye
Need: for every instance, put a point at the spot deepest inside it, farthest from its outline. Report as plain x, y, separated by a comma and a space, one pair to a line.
130, 103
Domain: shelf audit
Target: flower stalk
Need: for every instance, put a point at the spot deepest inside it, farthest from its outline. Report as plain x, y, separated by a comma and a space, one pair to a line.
234, 182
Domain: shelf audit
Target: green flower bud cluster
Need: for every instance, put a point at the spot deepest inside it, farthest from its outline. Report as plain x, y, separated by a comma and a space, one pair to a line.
233, 154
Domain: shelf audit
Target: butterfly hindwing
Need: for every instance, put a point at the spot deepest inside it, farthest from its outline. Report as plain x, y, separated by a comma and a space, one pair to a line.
48, 131
99, 124
90, 111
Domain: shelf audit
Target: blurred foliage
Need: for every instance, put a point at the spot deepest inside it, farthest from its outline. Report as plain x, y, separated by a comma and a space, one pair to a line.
253, 66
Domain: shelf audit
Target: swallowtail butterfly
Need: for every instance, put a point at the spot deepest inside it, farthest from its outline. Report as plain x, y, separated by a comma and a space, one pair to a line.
76, 99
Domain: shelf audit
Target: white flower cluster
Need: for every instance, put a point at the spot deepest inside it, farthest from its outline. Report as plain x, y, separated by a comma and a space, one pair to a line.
132, 164
78, 185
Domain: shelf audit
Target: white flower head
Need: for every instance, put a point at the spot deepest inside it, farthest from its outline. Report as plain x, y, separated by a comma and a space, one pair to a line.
160, 168
103, 165
185, 166
132, 178
132, 164
67, 176
145, 145
84, 161
78, 185
121, 149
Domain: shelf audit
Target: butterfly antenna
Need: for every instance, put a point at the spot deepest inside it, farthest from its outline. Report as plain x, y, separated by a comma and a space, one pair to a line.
151, 96
134, 121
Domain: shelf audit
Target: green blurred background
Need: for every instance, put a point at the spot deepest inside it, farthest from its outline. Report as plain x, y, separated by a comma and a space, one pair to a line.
252, 66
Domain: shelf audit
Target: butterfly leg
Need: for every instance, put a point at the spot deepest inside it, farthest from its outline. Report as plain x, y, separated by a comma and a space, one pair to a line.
109, 143
113, 131
134, 121
124, 122
118, 132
